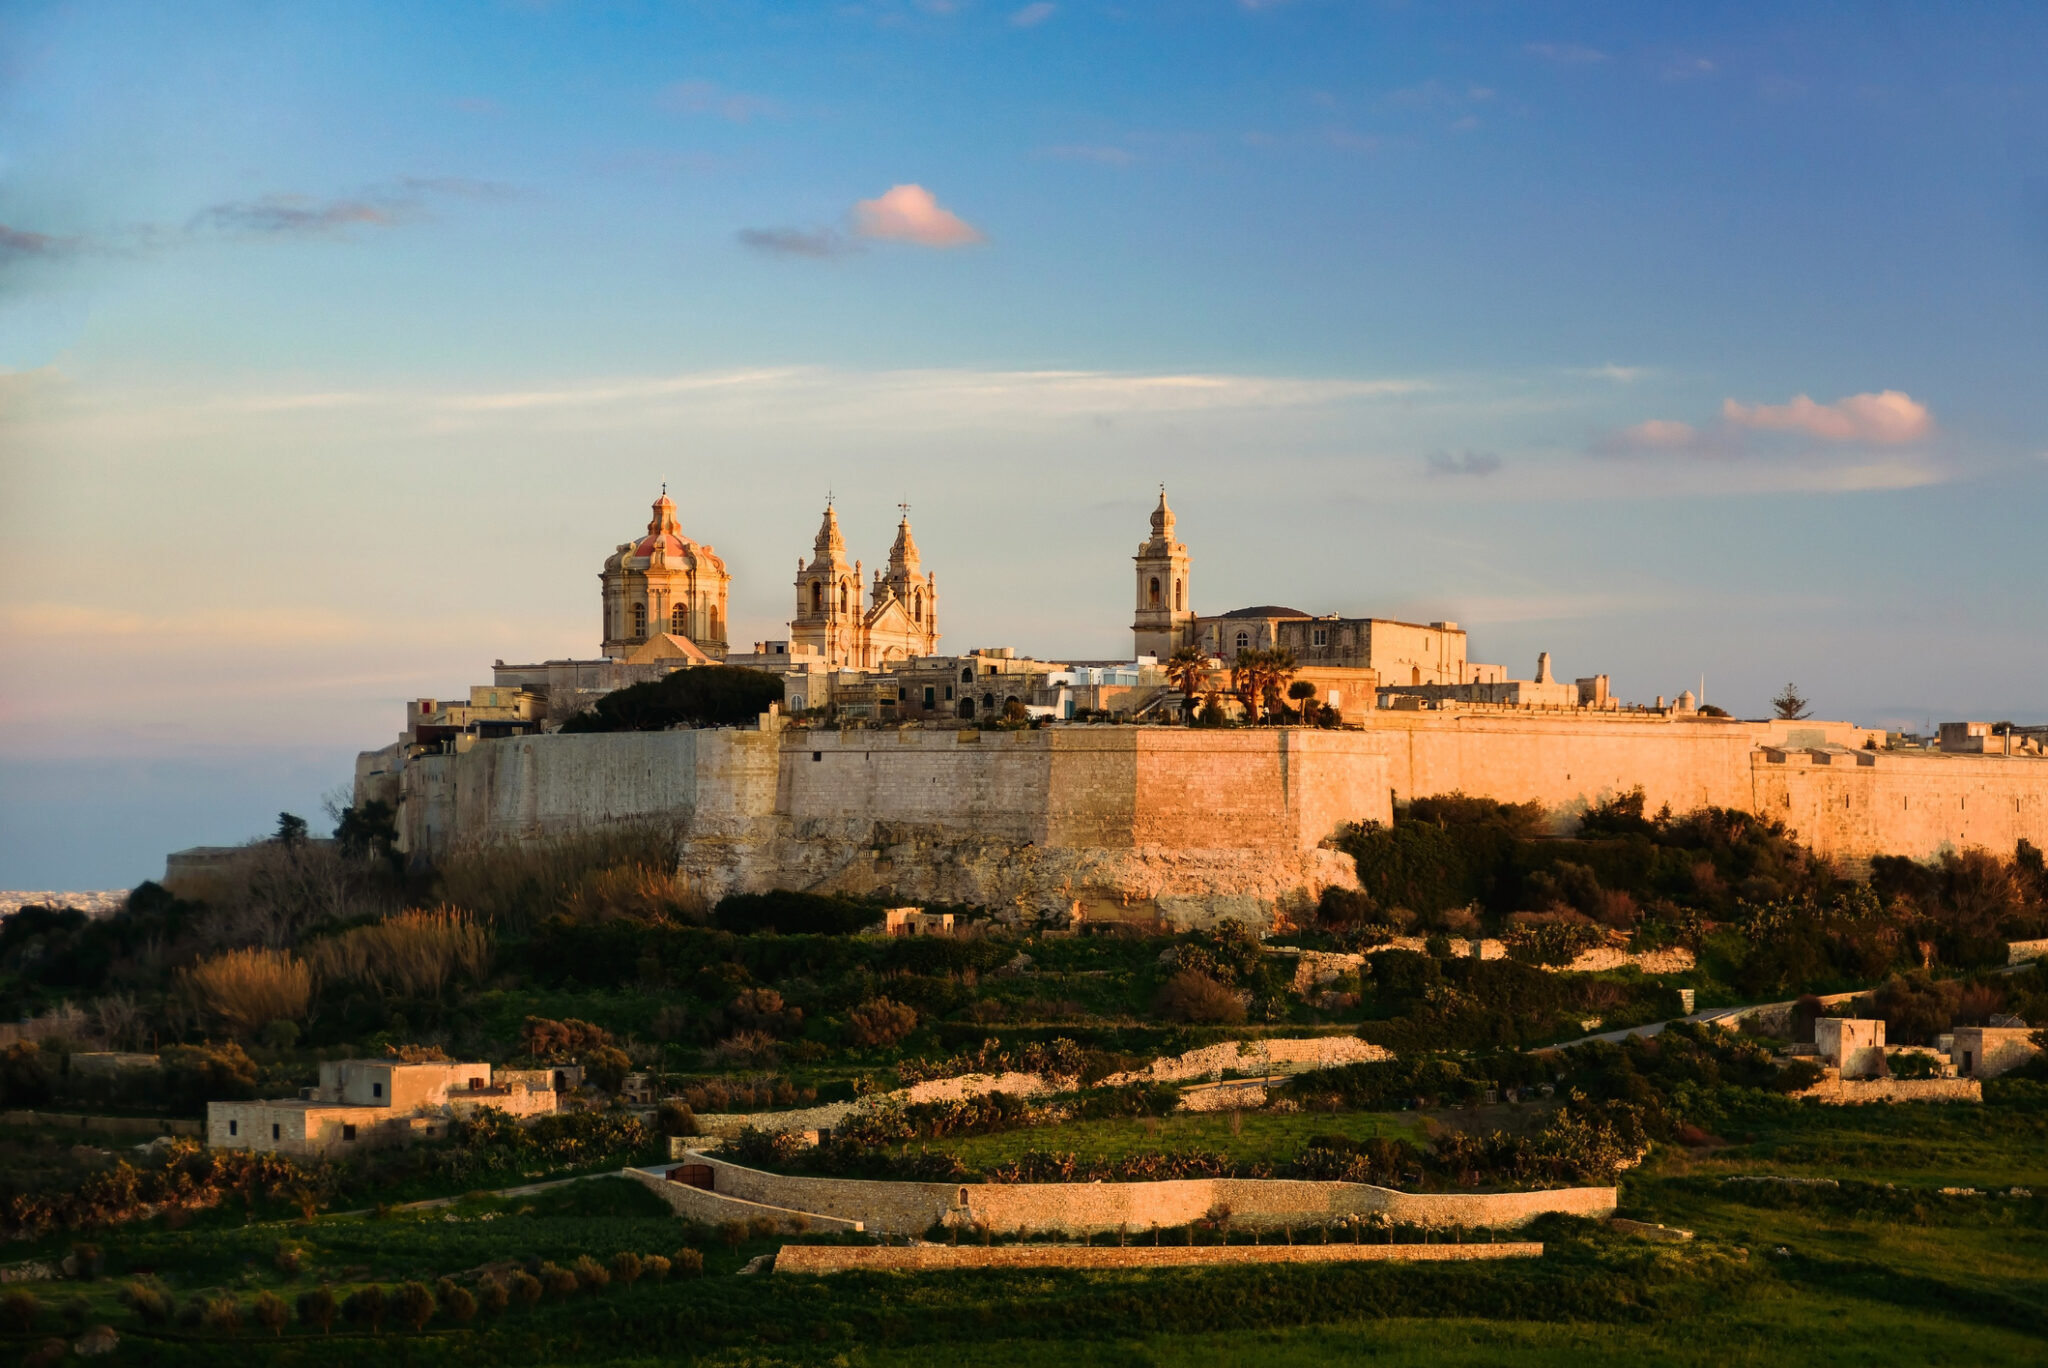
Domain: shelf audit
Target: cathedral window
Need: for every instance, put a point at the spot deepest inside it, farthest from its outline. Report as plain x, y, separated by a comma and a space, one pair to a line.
1155, 591
917, 608
676, 621
817, 598
1243, 641
842, 597
1179, 595
717, 625
639, 619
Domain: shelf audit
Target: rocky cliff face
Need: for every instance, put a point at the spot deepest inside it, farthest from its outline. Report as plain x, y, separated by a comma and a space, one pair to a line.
1020, 881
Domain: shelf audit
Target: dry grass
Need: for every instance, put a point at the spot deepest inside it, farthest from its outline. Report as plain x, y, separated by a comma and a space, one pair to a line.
246, 990
517, 885
414, 954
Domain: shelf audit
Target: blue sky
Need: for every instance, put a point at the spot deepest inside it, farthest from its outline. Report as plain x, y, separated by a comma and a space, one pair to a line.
339, 344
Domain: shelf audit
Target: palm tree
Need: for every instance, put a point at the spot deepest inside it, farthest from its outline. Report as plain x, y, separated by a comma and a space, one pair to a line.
1247, 678
1279, 674
1185, 671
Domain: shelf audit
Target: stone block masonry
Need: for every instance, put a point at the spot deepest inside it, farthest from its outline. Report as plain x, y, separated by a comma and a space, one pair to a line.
934, 1258
1169, 824
1100, 1208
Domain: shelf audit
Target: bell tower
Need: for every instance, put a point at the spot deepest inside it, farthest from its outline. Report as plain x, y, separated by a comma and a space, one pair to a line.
1165, 619
828, 597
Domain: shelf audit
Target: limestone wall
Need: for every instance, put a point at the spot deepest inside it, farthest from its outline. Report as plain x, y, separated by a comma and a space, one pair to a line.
713, 1208
1865, 803
1163, 823
1849, 1092
912, 1208
936, 1258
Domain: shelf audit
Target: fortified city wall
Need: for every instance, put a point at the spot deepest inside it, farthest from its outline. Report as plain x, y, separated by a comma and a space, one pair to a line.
1186, 826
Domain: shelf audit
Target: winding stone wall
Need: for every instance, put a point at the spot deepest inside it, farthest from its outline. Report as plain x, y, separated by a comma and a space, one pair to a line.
935, 1258
1262, 1203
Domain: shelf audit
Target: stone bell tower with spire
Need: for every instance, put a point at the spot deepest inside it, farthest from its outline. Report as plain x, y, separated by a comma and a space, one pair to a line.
828, 597
1165, 620
917, 592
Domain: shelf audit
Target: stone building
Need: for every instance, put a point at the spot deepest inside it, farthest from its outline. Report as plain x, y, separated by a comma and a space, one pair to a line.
1165, 620
367, 1102
664, 584
1852, 1045
900, 623
1988, 1051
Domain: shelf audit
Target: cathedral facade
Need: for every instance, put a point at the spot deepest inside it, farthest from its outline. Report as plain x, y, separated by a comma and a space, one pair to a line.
664, 595
896, 619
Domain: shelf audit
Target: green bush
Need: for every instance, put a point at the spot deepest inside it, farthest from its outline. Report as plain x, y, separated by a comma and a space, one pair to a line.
701, 696
792, 914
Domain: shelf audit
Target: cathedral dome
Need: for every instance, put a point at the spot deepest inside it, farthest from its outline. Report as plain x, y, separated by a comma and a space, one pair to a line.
665, 542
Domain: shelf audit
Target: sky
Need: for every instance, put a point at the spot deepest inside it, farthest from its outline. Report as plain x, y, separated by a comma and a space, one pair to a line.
340, 343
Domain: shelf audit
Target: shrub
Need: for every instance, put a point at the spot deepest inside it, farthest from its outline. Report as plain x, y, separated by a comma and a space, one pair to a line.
791, 914
654, 1267
687, 1263
880, 1022
591, 1275
1797, 1076
626, 1268
558, 1281
19, 1310
546, 1039
148, 1300
223, 1316
1194, 997
413, 1305
365, 1306
1914, 1065
456, 1301
675, 1118
246, 990
492, 1296
270, 1312
414, 954
316, 1309
526, 1289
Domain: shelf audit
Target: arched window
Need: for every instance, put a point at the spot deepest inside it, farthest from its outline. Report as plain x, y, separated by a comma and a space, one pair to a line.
639, 619
717, 625
842, 596
1243, 641
1179, 596
1155, 591
817, 597
967, 675
917, 608
678, 620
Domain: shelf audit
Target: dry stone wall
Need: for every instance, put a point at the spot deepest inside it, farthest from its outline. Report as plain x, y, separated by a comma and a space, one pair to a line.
713, 1208
935, 1258
1261, 1203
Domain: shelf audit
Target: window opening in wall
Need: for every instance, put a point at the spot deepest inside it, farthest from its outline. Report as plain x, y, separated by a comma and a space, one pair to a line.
676, 620
234, 1127
376, 1090
348, 1131
967, 675
1179, 595
1243, 640
817, 755
1320, 637
276, 1131
639, 619
1154, 597
817, 598
931, 695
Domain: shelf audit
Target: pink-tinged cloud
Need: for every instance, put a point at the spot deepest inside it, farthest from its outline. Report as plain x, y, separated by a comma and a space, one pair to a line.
1891, 418
909, 213
1659, 434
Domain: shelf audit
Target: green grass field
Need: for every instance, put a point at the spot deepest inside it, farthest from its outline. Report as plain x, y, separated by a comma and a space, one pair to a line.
1852, 1273
1273, 1138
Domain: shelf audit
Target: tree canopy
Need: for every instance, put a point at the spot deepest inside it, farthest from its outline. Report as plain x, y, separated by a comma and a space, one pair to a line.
704, 696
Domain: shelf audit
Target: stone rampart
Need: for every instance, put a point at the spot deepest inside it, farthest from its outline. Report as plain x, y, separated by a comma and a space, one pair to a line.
1255, 1203
936, 1258
1161, 823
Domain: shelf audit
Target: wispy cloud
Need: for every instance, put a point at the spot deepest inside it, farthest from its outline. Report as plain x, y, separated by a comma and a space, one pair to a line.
18, 244
911, 213
817, 243
1032, 15
381, 206
1689, 69
1817, 446
1566, 54
1479, 463
1620, 375
708, 97
1100, 155
1889, 418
